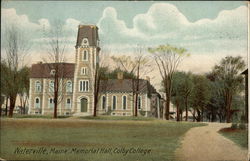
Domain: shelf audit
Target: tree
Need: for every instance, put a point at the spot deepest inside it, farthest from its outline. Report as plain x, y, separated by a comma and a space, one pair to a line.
55, 45
181, 91
168, 59
228, 74
24, 88
200, 96
16, 45
136, 67
100, 73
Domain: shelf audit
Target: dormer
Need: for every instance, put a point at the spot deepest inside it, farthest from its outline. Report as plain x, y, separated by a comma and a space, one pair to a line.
85, 42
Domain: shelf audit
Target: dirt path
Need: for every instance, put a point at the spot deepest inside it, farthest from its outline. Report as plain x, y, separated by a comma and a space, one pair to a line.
206, 144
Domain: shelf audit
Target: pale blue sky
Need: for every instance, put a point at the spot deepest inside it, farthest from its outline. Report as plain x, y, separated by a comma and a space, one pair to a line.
209, 30
91, 11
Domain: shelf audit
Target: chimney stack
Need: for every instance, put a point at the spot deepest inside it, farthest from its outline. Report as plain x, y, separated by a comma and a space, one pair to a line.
148, 78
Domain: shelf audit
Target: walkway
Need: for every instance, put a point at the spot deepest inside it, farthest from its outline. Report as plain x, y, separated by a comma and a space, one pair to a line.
206, 144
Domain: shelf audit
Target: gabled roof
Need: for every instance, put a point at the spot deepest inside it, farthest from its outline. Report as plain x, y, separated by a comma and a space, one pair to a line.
87, 31
126, 85
43, 70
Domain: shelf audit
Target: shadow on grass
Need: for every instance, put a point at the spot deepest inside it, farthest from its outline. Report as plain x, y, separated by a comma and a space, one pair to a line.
238, 136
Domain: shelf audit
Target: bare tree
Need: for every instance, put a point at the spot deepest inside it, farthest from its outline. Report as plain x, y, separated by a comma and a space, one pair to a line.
56, 45
100, 77
167, 59
16, 45
137, 66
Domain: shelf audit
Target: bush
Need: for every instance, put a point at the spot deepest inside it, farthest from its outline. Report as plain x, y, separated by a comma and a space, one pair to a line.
234, 126
242, 126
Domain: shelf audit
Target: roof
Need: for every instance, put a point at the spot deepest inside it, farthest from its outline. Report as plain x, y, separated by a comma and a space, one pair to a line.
87, 31
245, 72
126, 85
43, 70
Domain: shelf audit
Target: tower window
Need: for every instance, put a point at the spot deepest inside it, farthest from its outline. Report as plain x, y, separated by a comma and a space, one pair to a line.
84, 71
83, 85
85, 55
38, 86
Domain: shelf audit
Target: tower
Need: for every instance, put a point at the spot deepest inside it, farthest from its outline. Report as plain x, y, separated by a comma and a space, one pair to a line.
86, 60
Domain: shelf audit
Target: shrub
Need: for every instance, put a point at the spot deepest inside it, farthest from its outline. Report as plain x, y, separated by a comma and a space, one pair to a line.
234, 126
242, 126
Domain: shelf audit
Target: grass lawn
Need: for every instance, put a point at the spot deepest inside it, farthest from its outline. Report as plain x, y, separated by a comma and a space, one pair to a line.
103, 117
95, 140
238, 136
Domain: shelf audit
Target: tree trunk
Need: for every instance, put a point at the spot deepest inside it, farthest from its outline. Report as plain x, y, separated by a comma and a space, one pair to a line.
6, 106
202, 114
0, 110
194, 116
167, 108
181, 115
177, 112
186, 119
95, 106
12, 106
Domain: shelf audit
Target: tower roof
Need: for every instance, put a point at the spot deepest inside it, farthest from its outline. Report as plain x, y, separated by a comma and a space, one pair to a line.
87, 31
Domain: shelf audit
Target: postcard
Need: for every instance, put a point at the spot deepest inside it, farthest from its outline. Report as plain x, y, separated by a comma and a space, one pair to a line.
124, 80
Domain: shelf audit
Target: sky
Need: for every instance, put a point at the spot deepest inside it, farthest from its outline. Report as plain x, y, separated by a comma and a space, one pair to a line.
209, 30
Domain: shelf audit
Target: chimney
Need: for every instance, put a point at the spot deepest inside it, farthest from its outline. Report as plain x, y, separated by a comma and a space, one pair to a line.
148, 78
40, 62
120, 75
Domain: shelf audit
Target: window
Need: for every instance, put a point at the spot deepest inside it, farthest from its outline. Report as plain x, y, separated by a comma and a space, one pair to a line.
51, 86
84, 71
69, 86
53, 72
37, 103
38, 86
84, 85
85, 42
68, 103
124, 102
114, 103
139, 102
51, 103
103, 102
85, 55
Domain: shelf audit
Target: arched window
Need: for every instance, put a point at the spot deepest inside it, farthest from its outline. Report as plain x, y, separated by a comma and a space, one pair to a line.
114, 103
103, 102
84, 71
139, 102
68, 103
51, 86
83, 85
69, 86
38, 86
85, 55
51, 103
37, 102
124, 102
